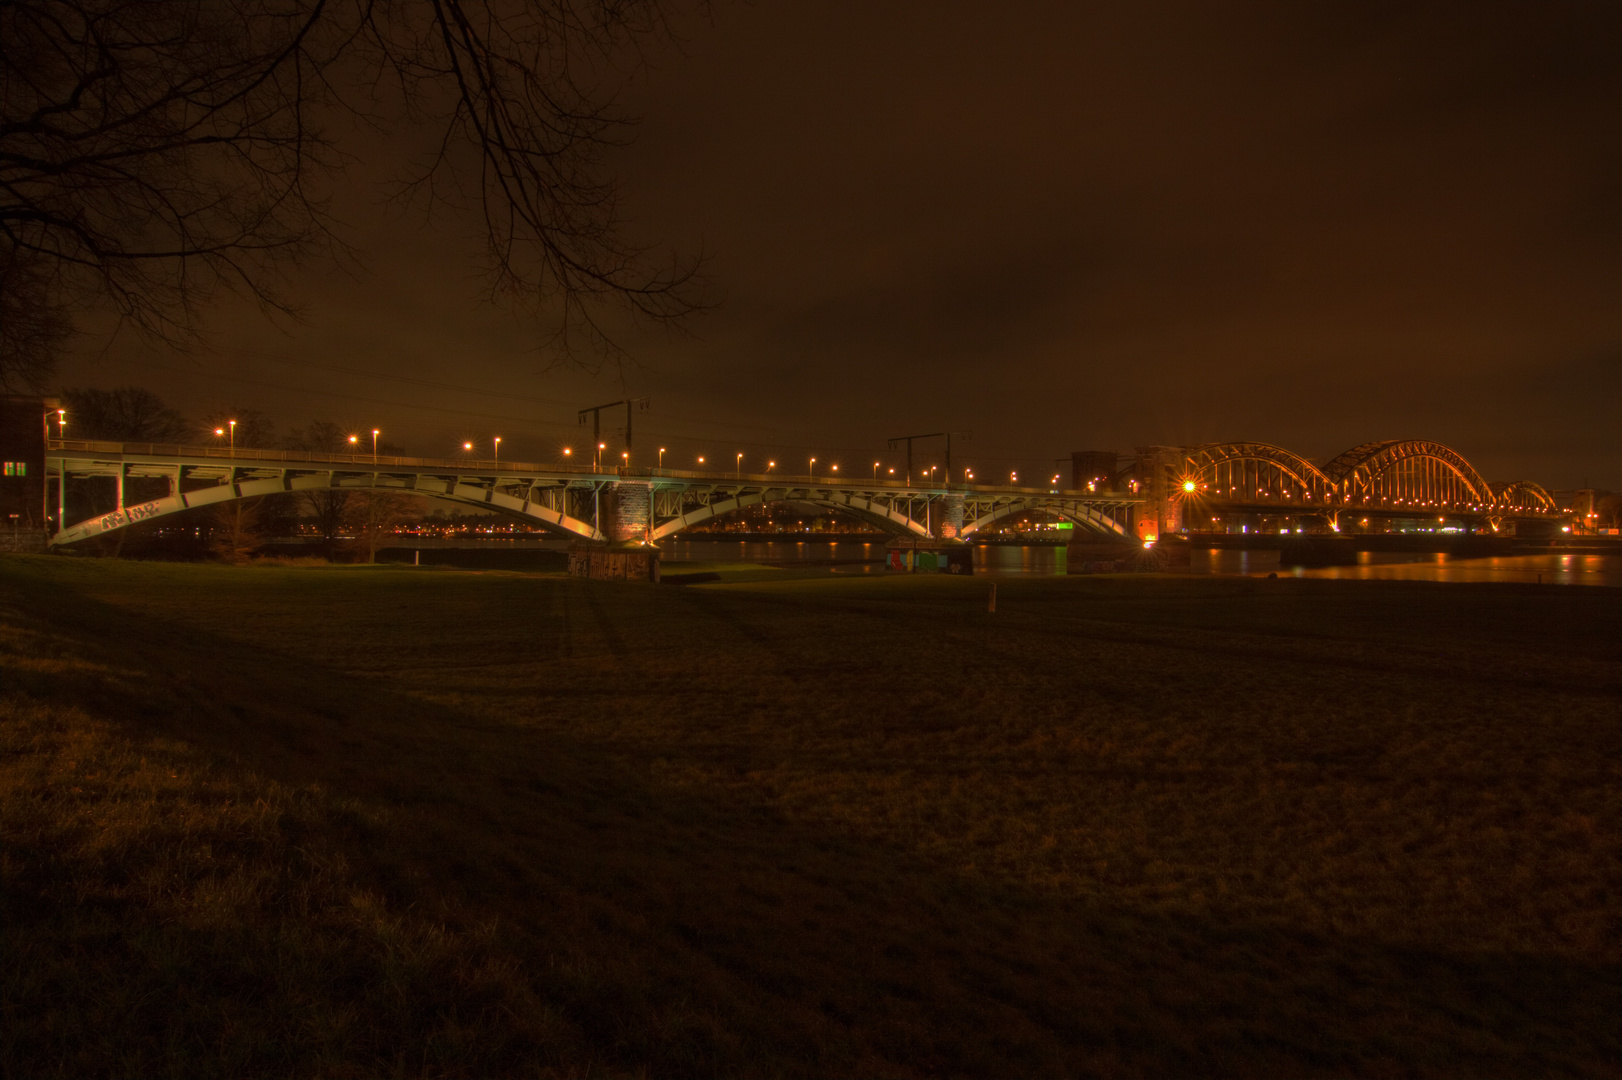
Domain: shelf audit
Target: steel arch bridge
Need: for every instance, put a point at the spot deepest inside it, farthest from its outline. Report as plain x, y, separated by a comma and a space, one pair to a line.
565, 500
1396, 476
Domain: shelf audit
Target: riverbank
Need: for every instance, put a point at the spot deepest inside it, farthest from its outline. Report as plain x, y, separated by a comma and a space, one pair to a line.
366, 820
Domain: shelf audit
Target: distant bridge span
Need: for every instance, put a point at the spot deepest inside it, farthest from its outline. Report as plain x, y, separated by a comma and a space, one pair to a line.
1392, 477
586, 502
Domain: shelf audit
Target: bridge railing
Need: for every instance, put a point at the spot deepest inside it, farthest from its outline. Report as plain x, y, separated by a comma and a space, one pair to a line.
316, 458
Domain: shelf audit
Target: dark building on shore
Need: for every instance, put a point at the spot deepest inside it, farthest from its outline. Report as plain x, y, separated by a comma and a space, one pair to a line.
22, 461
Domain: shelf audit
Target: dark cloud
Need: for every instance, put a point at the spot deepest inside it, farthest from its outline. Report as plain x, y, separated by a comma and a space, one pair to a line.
1063, 226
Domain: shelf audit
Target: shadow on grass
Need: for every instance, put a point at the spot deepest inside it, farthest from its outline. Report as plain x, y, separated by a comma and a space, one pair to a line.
407, 890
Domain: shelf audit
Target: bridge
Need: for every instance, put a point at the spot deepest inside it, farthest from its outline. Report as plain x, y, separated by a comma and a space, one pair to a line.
1414, 478
589, 502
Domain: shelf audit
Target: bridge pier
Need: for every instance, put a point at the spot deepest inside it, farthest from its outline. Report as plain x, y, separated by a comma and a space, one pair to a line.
949, 517
627, 507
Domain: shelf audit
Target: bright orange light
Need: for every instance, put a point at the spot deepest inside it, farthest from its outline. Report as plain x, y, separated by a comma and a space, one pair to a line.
354, 438
221, 431
567, 451
1188, 485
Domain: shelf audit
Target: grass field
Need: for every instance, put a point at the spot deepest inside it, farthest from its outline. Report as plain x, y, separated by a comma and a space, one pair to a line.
382, 821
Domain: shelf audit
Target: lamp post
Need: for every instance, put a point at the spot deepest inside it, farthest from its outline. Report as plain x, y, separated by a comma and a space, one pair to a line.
770, 465
811, 470
701, 459
375, 434
661, 459
354, 440
467, 447
875, 472
497, 443
598, 463
62, 476
1013, 478
737, 467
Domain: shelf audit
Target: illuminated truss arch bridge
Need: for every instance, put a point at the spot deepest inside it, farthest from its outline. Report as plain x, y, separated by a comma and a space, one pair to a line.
146, 482
1393, 478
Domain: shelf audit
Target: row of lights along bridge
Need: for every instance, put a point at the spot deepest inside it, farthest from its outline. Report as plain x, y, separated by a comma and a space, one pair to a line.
229, 432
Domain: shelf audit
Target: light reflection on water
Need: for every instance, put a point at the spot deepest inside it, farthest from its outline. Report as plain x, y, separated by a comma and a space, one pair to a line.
1550, 568
861, 557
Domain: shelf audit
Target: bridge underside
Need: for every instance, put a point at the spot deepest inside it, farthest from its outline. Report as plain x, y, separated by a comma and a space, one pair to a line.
547, 506
576, 503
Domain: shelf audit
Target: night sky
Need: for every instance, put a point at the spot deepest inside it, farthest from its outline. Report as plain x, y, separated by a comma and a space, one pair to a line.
1062, 226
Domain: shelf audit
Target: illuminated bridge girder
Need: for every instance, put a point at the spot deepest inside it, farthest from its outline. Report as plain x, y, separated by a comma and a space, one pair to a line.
560, 499
1523, 496
1250, 472
1099, 516
1412, 476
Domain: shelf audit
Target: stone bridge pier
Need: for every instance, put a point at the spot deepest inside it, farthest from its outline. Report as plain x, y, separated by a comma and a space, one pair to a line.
948, 523
627, 512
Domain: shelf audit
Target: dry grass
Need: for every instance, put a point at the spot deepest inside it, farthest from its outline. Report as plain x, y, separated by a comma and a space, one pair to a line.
346, 821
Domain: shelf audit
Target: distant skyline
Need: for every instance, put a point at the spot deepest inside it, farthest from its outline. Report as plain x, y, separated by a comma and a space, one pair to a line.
1065, 227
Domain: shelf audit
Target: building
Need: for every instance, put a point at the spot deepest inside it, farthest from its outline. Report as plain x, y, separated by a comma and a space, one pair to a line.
23, 422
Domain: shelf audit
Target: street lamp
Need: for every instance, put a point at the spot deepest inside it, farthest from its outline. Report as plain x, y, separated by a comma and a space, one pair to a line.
811, 470
568, 450
737, 467
375, 434
661, 459
770, 465
625, 456
875, 472
354, 440
1013, 478
599, 460
497, 443
44, 485
467, 446
701, 459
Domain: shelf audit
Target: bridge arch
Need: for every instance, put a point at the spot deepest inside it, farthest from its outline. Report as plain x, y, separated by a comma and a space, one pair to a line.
1249, 470
864, 507
447, 488
1523, 495
1412, 472
1079, 514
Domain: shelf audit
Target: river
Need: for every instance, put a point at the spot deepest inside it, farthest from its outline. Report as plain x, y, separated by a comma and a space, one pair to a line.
867, 557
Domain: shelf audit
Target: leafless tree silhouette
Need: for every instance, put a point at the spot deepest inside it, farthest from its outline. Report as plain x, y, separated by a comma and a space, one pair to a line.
153, 151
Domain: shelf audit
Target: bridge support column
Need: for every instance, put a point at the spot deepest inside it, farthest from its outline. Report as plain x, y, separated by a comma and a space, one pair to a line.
627, 512
949, 517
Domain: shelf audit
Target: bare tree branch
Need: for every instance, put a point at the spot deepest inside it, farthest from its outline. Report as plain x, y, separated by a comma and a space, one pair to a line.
153, 152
